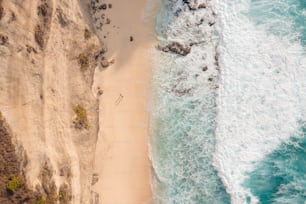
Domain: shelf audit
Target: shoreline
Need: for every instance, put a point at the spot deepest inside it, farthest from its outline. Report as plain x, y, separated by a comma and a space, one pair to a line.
122, 158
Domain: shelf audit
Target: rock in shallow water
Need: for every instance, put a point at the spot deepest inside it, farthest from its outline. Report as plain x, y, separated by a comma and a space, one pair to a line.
176, 48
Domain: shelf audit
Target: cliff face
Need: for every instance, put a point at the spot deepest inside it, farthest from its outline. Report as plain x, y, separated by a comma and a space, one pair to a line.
12, 186
47, 59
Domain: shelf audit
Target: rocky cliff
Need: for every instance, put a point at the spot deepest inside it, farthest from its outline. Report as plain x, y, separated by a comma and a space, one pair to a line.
48, 55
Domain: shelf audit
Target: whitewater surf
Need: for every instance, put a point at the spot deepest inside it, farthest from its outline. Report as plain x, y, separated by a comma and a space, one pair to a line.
262, 97
228, 119
184, 109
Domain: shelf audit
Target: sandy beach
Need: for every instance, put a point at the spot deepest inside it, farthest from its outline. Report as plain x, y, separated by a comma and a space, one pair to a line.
121, 158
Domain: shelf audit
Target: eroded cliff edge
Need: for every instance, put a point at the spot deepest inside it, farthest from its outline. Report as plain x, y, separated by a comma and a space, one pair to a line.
48, 55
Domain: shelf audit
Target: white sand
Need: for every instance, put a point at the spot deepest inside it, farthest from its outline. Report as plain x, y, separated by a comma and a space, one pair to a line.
122, 160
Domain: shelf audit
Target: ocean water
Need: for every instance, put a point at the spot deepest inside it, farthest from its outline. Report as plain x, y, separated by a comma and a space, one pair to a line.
239, 138
261, 100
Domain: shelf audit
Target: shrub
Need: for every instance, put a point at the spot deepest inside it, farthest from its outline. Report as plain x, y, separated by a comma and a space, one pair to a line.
61, 195
64, 194
83, 61
39, 201
13, 184
87, 34
81, 120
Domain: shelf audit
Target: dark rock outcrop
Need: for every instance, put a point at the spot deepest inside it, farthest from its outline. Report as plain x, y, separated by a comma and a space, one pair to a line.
44, 13
194, 5
176, 48
1, 10
62, 18
205, 68
95, 179
105, 63
3, 40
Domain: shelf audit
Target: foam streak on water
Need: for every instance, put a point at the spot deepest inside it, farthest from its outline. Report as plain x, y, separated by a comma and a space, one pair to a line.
262, 93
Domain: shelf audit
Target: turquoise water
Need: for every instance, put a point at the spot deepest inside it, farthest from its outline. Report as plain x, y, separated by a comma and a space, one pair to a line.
284, 18
184, 147
281, 176
184, 115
